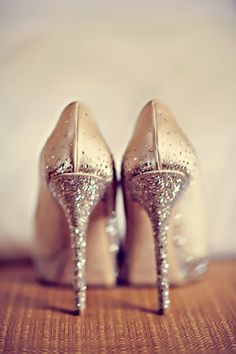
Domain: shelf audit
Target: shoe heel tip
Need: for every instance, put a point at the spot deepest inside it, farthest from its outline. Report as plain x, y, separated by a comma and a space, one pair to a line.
161, 312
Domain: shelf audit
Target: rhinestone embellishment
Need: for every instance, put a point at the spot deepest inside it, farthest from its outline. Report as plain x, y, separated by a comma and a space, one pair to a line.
112, 231
78, 195
157, 192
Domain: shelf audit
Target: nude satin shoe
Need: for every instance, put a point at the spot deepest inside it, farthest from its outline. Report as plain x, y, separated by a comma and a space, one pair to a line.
165, 239
75, 232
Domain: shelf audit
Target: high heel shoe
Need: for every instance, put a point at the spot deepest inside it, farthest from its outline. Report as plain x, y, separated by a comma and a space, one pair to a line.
164, 209
75, 216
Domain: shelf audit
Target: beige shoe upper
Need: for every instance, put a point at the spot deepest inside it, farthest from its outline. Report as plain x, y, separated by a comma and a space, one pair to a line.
158, 144
75, 146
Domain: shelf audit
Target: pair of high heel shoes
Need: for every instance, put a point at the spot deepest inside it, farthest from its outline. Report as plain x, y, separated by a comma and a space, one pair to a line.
76, 240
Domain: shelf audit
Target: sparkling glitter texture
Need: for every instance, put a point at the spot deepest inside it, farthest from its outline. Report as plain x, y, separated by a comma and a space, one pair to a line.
157, 192
78, 194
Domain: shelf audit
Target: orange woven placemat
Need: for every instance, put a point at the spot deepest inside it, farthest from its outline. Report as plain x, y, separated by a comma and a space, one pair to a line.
39, 319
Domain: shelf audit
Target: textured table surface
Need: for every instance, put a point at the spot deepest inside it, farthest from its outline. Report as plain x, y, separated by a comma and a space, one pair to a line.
40, 319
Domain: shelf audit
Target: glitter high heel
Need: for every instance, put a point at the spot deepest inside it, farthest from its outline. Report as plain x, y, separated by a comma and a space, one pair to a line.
77, 198
162, 198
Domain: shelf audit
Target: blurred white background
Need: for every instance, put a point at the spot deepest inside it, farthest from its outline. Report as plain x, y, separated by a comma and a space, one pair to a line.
115, 56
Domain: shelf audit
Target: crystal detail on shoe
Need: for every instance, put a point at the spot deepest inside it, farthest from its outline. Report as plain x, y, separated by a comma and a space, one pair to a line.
112, 231
179, 240
195, 266
78, 195
157, 192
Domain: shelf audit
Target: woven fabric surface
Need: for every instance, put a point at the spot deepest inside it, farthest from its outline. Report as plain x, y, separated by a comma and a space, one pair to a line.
40, 319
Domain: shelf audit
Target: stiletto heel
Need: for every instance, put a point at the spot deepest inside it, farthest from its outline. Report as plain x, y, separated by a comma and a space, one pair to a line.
165, 238
157, 192
78, 195
75, 236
